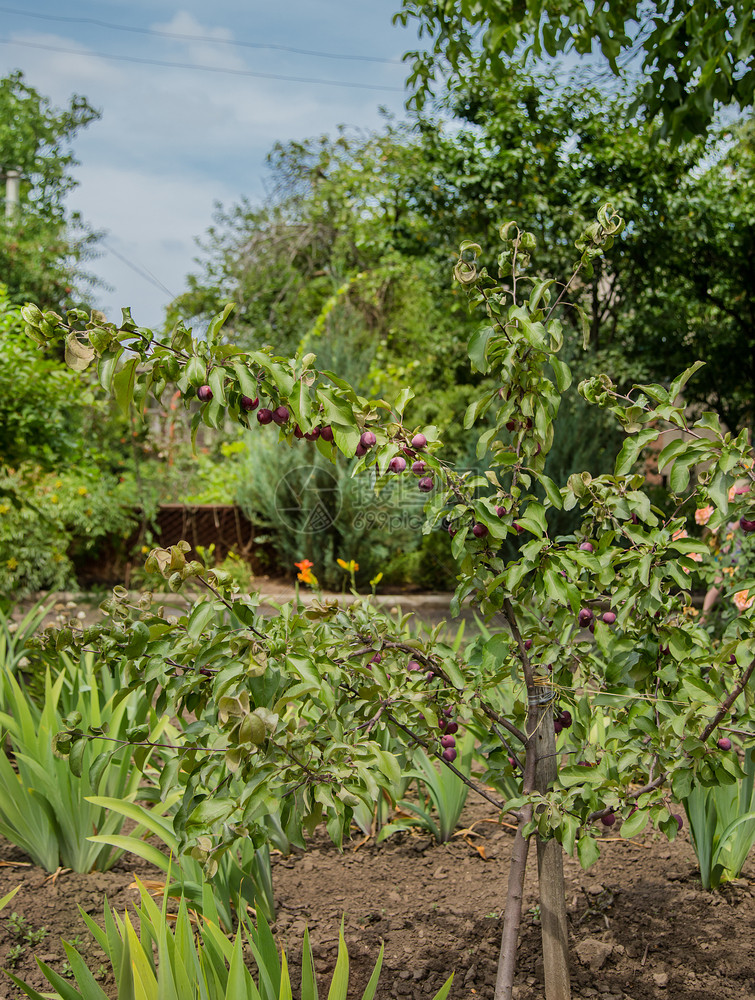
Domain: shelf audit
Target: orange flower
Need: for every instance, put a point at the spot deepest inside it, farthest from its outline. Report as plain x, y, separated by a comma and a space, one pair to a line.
305, 571
702, 514
742, 600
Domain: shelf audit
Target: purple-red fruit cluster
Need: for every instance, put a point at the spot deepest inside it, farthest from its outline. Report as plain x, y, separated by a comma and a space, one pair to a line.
562, 721
584, 617
248, 404
448, 739
746, 525
419, 466
587, 547
609, 819
265, 416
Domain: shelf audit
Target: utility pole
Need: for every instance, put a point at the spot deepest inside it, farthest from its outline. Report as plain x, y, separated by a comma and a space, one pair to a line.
12, 193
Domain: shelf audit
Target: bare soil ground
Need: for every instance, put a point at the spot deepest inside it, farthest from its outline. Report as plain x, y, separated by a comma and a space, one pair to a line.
640, 925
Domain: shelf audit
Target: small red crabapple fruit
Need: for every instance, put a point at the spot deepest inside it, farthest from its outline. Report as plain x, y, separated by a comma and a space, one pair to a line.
724, 743
587, 547
746, 525
368, 439
265, 416
412, 666
204, 394
584, 617
449, 754
679, 821
281, 415
479, 530
425, 485
326, 433
312, 435
448, 740
248, 404
609, 819
419, 467
609, 617
501, 511
419, 441
397, 464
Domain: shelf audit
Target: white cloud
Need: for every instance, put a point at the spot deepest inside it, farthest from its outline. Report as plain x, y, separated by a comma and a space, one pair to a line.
171, 142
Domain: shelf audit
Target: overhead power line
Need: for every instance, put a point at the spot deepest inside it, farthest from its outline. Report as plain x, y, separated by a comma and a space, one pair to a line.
195, 38
142, 271
199, 66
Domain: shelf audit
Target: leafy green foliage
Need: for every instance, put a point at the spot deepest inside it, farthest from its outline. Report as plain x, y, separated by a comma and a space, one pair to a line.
180, 966
307, 713
41, 247
722, 823
697, 54
446, 791
43, 807
48, 519
285, 715
243, 878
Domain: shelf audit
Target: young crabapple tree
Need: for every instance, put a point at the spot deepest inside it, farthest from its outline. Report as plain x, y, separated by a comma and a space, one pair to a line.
601, 694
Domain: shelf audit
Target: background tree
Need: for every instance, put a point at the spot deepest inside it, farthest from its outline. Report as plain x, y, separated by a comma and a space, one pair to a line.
42, 246
696, 54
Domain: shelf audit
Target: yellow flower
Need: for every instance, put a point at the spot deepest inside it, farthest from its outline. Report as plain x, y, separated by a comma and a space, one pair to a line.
4, 508
376, 580
82, 491
350, 567
55, 498
58, 483
12, 563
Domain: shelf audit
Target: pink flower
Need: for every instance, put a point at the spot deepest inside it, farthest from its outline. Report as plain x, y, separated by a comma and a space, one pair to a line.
679, 533
742, 601
702, 514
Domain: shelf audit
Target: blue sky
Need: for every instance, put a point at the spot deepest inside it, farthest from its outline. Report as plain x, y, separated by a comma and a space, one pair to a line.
172, 141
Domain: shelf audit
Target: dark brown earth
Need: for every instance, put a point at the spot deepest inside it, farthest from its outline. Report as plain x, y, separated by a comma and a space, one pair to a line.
640, 925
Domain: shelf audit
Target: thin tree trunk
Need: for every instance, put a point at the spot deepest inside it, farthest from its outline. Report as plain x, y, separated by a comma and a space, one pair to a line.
550, 868
512, 916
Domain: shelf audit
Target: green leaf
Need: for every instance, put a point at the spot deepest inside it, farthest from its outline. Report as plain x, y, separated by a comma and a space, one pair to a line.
562, 372
631, 449
339, 984
123, 384
588, 851
477, 348
405, 395
635, 824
